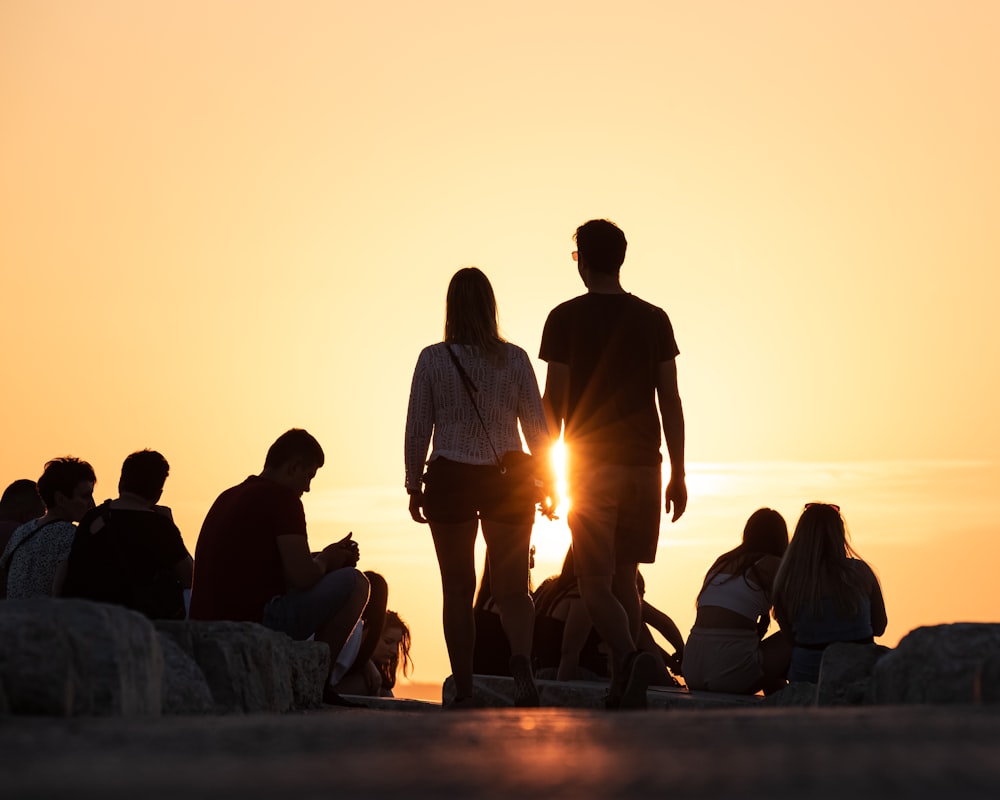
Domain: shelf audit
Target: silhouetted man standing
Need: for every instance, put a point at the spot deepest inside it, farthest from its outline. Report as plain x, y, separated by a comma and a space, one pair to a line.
610, 358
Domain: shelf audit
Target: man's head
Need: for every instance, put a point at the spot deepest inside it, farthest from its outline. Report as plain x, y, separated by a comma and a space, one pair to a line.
601, 246
144, 474
20, 502
67, 487
293, 460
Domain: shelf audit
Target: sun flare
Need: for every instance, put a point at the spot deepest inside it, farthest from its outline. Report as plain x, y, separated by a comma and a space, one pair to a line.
551, 538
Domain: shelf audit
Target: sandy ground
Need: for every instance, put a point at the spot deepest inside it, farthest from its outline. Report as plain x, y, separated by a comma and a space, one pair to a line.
906, 752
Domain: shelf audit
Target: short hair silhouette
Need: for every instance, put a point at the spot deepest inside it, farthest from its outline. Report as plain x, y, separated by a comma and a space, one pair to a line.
294, 445
144, 473
602, 245
63, 475
21, 502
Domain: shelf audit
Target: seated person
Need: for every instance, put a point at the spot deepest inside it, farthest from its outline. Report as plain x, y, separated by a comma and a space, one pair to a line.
128, 551
20, 503
491, 652
726, 651
35, 555
824, 592
354, 673
252, 560
653, 618
392, 652
567, 647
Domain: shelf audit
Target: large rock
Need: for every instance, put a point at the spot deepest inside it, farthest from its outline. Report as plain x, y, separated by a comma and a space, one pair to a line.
66, 657
185, 690
75, 657
845, 675
800, 694
957, 663
250, 668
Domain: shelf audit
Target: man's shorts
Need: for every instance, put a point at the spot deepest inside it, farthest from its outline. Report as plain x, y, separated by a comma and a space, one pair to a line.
455, 492
614, 516
301, 614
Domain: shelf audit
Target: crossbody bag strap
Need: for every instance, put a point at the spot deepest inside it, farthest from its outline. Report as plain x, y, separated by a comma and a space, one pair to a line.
470, 387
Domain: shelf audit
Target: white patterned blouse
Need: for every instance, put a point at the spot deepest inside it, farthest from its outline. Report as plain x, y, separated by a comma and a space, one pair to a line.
440, 408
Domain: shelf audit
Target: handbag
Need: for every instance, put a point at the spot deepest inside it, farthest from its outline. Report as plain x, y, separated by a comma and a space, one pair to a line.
516, 466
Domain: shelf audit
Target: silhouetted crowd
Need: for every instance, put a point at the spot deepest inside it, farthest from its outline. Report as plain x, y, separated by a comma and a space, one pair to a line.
611, 393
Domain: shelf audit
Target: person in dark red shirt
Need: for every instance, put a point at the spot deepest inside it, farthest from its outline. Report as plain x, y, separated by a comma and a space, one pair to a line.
253, 562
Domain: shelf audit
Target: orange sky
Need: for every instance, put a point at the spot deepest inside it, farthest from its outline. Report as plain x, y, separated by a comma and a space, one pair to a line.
222, 219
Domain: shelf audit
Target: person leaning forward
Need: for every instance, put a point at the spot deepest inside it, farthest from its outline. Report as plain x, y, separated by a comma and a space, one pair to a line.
252, 559
611, 357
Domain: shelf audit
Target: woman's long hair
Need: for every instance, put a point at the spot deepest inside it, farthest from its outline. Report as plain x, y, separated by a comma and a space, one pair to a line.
553, 588
470, 315
765, 534
818, 565
389, 668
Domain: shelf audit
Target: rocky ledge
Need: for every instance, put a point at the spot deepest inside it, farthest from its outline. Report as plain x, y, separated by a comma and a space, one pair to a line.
940, 664
75, 657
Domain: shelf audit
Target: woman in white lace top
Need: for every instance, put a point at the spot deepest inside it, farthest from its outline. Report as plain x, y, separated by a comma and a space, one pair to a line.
462, 483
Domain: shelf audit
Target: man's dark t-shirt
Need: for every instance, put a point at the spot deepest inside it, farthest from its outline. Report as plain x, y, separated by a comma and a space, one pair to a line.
613, 345
237, 566
127, 557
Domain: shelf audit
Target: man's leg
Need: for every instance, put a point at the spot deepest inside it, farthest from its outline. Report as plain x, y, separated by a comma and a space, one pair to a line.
612, 599
339, 623
455, 545
610, 619
592, 522
623, 585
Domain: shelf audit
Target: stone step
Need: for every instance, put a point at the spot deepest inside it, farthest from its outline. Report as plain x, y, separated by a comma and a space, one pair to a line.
494, 691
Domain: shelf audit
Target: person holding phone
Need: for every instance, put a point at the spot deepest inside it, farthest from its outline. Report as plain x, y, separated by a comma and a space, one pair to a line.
253, 562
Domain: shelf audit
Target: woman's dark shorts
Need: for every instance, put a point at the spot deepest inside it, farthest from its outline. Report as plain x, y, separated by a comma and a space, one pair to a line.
456, 492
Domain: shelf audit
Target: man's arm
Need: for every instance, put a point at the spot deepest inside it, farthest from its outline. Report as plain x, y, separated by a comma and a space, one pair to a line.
555, 397
303, 570
672, 415
183, 570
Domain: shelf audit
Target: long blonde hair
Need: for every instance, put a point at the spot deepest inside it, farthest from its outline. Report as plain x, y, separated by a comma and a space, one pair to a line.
471, 313
818, 565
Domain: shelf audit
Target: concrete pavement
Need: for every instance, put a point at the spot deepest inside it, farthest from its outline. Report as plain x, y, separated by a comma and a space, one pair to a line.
879, 752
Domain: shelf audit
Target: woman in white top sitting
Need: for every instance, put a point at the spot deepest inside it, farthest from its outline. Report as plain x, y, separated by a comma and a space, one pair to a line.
726, 650
470, 392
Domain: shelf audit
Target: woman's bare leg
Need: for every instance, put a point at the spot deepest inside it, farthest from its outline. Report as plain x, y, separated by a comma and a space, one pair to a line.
455, 545
507, 546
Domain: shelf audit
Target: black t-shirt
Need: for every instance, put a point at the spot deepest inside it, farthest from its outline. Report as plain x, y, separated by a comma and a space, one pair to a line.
127, 557
613, 345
